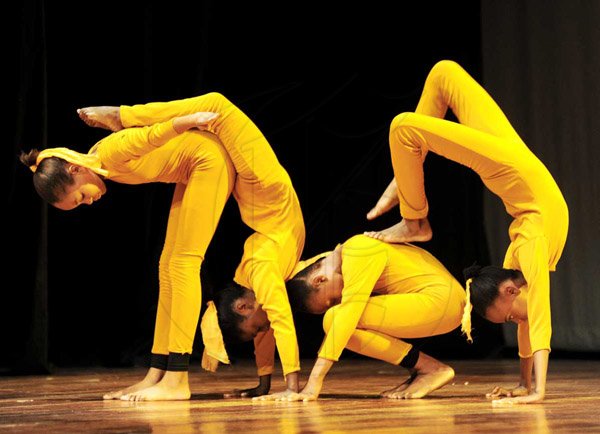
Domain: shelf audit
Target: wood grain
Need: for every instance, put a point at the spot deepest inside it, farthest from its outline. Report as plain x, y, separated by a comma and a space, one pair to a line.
70, 401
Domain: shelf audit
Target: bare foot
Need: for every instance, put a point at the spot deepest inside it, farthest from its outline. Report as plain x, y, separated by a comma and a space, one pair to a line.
404, 232
387, 201
174, 386
106, 117
152, 377
399, 388
431, 375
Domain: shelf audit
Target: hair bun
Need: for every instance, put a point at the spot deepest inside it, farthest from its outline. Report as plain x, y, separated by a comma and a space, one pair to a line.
29, 158
472, 271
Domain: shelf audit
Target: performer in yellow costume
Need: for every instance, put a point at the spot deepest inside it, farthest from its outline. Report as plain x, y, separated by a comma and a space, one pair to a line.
373, 294
485, 141
242, 318
158, 150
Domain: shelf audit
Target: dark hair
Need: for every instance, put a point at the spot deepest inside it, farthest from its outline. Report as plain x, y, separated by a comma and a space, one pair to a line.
229, 319
299, 288
51, 177
485, 283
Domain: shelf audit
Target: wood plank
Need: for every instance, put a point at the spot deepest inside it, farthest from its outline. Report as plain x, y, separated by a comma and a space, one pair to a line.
70, 401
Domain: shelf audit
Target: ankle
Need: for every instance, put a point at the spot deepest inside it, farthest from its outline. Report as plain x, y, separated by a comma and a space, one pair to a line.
175, 379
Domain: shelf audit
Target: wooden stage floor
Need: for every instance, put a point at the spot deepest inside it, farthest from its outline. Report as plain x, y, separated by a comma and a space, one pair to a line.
70, 402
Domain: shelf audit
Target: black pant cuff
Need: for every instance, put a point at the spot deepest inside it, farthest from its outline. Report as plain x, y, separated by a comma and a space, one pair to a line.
410, 360
178, 362
159, 361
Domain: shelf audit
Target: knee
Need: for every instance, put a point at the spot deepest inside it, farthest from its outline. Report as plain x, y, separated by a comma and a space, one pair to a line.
443, 68
399, 121
168, 263
163, 263
218, 98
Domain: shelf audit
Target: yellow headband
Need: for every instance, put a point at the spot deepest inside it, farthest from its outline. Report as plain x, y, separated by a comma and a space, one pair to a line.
91, 161
214, 346
465, 323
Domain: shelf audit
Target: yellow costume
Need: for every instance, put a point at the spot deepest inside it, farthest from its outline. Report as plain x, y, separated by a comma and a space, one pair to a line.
201, 168
264, 342
485, 141
268, 204
390, 291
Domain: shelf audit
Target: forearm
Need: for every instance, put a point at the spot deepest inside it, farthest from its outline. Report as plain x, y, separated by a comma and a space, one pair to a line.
540, 365
317, 375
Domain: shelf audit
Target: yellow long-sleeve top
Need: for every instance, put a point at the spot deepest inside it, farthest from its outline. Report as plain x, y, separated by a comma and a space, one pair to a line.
538, 234
371, 267
155, 153
264, 342
267, 201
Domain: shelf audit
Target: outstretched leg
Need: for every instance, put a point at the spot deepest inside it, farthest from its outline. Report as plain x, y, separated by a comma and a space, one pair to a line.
160, 348
208, 188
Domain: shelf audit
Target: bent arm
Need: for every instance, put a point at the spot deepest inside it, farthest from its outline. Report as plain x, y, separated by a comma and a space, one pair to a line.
361, 268
133, 143
248, 148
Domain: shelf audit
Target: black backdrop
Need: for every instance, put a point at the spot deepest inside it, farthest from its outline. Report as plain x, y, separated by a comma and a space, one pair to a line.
323, 86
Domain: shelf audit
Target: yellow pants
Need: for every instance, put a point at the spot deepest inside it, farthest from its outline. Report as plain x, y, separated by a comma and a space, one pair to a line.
195, 211
484, 140
256, 165
268, 204
197, 207
435, 310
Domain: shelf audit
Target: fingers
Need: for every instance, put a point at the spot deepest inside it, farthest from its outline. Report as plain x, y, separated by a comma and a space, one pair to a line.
288, 397
212, 116
113, 395
494, 393
498, 391
265, 398
206, 117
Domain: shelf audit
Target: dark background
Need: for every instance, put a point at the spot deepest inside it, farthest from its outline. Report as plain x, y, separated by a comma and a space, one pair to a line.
322, 85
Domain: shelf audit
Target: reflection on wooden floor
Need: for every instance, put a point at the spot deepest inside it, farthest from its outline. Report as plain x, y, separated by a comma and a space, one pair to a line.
70, 402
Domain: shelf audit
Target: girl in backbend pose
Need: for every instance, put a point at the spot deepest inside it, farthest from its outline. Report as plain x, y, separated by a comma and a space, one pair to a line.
166, 147
485, 141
